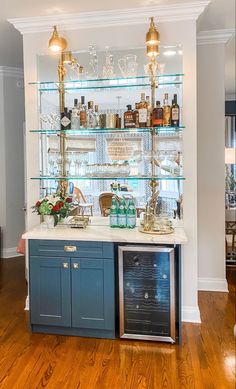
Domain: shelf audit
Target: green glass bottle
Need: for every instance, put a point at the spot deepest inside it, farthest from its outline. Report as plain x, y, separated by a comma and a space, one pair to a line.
131, 214
114, 213
122, 214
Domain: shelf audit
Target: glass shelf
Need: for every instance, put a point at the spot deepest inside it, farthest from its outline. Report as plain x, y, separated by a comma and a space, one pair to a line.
171, 80
104, 131
144, 178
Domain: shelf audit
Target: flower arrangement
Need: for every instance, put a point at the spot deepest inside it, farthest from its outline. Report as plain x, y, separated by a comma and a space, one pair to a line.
55, 205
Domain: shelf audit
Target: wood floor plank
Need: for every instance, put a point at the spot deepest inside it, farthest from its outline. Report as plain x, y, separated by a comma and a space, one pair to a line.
204, 360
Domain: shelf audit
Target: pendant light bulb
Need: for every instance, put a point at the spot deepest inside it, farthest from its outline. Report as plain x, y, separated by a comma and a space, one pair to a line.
152, 36
56, 43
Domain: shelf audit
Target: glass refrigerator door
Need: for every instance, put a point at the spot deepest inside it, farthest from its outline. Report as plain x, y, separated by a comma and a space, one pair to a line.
147, 293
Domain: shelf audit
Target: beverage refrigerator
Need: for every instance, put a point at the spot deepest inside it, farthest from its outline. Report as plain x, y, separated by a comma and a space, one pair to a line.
149, 293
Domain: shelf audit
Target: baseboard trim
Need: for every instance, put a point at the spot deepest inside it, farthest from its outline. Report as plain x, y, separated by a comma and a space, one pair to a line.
10, 253
213, 284
191, 314
27, 303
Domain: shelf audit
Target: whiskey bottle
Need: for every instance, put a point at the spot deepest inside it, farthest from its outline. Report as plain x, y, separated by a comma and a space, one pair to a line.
129, 118
83, 113
166, 112
175, 112
143, 112
66, 119
75, 116
157, 115
149, 112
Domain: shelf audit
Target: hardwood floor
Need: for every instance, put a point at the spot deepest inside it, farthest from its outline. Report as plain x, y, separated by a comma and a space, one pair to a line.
204, 360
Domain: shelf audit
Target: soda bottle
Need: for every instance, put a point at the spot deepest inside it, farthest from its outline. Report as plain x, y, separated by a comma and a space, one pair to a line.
122, 214
114, 213
131, 214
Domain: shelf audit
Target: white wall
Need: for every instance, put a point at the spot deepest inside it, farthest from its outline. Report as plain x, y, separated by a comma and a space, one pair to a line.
12, 158
211, 167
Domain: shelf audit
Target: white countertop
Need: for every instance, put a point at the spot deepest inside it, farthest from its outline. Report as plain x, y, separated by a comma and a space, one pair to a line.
99, 230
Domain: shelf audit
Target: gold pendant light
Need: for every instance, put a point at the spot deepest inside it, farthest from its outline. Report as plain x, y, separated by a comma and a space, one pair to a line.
57, 43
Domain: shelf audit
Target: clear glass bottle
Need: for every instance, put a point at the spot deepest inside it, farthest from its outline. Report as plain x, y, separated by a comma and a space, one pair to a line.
83, 113
75, 116
166, 112
97, 117
142, 111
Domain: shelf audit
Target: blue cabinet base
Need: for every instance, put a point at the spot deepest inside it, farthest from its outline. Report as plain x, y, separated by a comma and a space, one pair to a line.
86, 333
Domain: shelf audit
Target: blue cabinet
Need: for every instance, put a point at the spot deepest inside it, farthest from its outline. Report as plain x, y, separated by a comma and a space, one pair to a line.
72, 292
50, 285
92, 289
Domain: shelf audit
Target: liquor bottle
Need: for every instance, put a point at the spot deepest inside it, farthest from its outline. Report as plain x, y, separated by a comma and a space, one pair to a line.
149, 112
175, 112
66, 119
129, 118
166, 112
131, 214
90, 115
114, 213
97, 117
143, 112
83, 113
157, 115
75, 116
136, 113
122, 214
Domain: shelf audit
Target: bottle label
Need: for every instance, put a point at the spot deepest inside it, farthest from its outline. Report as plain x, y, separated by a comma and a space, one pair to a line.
65, 121
129, 119
122, 220
142, 115
175, 113
131, 221
113, 220
83, 117
166, 116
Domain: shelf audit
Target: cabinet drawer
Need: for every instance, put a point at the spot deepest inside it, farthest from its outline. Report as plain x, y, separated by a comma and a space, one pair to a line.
70, 249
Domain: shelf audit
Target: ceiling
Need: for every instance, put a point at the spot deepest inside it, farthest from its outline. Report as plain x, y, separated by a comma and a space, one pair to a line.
216, 16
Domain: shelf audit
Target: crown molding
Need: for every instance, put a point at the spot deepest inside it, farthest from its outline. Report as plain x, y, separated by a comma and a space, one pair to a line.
11, 72
116, 17
214, 36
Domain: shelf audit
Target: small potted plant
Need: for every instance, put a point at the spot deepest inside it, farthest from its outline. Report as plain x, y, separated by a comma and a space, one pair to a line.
53, 208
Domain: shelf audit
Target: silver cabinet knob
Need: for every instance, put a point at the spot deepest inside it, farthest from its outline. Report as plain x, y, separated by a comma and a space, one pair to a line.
75, 265
65, 265
164, 276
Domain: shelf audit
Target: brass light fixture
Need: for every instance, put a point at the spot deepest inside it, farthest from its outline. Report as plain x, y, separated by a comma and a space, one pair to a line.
152, 40
152, 51
57, 43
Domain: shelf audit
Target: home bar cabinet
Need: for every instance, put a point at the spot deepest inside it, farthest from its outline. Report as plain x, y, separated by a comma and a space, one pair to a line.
74, 280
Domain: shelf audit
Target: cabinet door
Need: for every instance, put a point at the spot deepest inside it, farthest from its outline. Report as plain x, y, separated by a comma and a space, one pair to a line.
93, 293
50, 291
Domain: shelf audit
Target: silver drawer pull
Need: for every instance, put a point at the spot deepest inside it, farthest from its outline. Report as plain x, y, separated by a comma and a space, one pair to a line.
70, 249
75, 266
65, 265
